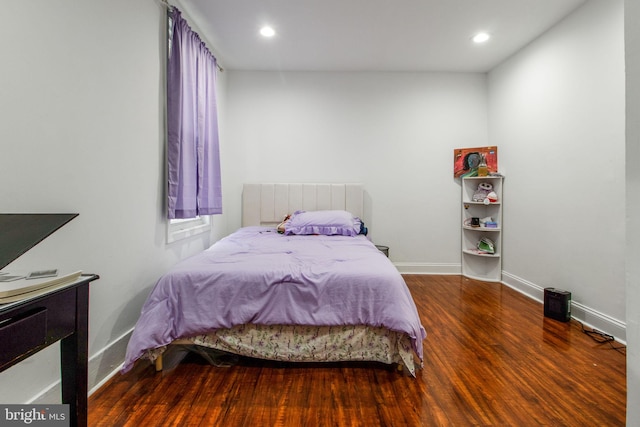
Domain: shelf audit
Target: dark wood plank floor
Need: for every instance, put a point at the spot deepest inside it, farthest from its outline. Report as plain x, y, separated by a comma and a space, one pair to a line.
491, 359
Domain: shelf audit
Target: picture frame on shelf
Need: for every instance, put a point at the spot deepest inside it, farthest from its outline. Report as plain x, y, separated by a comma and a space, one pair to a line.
467, 160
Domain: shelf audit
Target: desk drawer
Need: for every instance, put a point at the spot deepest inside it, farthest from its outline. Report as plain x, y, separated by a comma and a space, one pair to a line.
22, 333
27, 329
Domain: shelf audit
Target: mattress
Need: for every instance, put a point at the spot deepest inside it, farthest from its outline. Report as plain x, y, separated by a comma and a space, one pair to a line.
259, 277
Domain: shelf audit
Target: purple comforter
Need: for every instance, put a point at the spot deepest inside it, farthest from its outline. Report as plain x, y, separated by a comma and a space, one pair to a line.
258, 276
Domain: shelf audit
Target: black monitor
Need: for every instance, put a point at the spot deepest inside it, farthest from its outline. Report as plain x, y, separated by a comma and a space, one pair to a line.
21, 232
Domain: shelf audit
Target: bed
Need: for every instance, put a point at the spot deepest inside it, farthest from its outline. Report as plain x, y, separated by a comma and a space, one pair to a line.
312, 293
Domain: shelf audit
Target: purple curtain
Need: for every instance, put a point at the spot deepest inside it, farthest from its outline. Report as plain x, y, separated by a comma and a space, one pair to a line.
192, 124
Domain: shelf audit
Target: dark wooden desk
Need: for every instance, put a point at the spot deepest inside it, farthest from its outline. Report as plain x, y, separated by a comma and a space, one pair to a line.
29, 325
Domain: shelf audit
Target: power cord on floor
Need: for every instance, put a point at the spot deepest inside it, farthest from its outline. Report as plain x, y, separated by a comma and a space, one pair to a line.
602, 338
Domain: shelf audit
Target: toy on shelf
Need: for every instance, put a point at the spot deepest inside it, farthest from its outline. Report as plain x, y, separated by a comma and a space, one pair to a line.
485, 194
484, 188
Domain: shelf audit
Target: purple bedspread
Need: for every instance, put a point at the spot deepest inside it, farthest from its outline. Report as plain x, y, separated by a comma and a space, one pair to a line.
258, 276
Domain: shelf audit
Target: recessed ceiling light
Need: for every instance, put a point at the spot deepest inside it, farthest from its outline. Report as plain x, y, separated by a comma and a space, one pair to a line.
267, 31
481, 38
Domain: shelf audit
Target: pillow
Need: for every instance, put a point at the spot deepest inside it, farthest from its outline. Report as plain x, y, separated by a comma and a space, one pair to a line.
327, 223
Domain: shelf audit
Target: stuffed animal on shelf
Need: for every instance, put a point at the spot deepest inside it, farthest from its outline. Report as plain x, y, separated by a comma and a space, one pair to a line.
484, 188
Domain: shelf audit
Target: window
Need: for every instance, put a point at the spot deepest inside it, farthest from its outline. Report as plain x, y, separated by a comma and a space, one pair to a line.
178, 229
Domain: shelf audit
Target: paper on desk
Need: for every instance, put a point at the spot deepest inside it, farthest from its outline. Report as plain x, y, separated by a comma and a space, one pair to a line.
23, 288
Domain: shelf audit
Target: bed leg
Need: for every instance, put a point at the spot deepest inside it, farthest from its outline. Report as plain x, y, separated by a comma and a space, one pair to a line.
159, 363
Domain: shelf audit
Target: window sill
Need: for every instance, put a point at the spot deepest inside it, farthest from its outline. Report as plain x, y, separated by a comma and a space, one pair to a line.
179, 229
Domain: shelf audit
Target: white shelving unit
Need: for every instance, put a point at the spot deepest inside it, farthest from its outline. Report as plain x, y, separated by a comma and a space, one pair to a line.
475, 264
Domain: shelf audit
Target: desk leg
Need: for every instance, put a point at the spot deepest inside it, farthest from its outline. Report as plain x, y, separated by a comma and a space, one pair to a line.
74, 355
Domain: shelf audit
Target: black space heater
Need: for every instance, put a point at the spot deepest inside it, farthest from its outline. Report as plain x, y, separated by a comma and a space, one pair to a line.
557, 304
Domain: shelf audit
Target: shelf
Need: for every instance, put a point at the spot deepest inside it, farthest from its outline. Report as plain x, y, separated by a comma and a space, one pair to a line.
475, 264
473, 252
483, 278
467, 227
480, 203
478, 178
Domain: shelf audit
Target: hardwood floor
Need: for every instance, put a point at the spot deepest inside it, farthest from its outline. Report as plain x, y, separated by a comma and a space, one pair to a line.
491, 359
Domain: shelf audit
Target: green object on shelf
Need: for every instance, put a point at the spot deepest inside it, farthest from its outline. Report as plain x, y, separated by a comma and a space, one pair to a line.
486, 245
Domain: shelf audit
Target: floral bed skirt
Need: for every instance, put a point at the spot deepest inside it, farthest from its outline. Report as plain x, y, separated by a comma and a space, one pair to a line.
310, 344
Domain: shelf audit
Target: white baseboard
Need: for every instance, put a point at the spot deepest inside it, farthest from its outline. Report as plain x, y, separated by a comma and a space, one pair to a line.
587, 315
102, 366
107, 362
49, 396
427, 268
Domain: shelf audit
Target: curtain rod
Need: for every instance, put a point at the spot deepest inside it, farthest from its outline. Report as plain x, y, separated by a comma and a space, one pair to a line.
169, 6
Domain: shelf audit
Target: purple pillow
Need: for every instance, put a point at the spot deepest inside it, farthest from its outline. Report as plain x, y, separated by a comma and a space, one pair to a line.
327, 223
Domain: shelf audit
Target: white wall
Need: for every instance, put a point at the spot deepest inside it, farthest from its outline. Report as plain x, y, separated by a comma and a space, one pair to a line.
557, 115
393, 132
82, 131
632, 47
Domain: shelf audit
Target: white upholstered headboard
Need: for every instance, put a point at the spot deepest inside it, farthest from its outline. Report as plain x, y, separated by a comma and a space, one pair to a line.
267, 204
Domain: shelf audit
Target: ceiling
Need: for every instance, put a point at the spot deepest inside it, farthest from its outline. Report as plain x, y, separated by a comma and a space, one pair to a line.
370, 35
